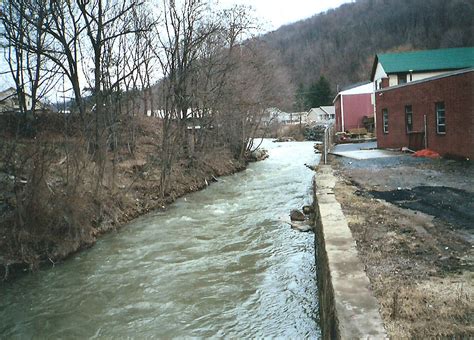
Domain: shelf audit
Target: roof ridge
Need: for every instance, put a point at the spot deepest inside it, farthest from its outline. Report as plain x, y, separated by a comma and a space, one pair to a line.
428, 51
425, 60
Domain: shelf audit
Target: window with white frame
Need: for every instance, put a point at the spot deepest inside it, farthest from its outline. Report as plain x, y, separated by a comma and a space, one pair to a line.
440, 118
385, 120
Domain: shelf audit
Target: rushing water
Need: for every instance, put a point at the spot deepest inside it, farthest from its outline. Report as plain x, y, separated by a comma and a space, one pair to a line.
222, 262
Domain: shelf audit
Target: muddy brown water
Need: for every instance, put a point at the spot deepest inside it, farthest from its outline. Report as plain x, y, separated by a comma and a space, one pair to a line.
222, 262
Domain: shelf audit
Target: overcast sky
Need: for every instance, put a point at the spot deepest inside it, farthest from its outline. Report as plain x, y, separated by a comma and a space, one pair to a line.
275, 13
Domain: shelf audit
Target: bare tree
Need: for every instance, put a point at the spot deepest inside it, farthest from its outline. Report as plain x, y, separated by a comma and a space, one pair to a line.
255, 84
23, 42
195, 54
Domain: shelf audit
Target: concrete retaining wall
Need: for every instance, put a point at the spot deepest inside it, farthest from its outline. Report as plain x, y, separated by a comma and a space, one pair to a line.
347, 306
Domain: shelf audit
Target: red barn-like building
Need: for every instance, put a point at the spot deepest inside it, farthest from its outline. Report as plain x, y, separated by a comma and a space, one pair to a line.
435, 113
352, 105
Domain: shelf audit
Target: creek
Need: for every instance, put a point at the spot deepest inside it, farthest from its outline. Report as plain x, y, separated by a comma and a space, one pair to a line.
222, 262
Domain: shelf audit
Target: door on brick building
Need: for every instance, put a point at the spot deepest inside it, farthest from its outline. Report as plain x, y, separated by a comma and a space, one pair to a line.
416, 140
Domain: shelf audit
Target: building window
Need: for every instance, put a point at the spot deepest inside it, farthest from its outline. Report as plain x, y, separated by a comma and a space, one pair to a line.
440, 118
385, 120
409, 118
402, 78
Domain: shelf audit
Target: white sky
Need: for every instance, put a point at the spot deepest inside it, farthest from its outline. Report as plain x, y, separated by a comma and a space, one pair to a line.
275, 13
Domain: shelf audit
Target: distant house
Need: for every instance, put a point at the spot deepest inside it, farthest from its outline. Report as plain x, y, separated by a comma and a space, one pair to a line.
399, 68
435, 113
353, 105
9, 102
270, 115
321, 115
292, 118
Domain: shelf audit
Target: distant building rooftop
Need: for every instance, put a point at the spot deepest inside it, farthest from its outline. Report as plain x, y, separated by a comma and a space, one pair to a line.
359, 88
353, 86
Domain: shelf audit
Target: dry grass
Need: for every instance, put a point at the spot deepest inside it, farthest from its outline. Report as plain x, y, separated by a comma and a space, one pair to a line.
420, 270
295, 131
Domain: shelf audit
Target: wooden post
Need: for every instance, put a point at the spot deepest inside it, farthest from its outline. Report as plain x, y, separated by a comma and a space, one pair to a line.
426, 133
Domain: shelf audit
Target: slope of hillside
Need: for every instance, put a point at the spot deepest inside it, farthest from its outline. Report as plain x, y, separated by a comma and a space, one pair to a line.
341, 43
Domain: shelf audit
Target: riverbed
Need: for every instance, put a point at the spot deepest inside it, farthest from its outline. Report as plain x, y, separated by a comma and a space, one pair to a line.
222, 262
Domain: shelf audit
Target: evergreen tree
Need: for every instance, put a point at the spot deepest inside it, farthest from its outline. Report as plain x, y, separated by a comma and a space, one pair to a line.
319, 93
300, 99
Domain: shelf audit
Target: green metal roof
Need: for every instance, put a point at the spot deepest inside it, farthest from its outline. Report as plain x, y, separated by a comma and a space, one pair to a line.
428, 60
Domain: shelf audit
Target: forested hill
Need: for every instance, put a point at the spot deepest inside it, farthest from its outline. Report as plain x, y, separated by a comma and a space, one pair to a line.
341, 43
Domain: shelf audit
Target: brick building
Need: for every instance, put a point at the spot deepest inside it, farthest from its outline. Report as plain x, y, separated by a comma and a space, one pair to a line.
445, 102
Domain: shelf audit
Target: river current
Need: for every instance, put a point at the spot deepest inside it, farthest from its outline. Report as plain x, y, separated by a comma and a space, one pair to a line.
222, 262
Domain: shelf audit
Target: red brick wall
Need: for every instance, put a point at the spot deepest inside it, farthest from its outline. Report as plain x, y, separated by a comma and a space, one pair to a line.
355, 106
457, 93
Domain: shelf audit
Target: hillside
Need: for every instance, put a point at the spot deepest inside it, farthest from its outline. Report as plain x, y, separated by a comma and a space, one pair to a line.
341, 43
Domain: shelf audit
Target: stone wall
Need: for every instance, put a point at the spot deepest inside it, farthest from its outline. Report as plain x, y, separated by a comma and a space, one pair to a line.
347, 306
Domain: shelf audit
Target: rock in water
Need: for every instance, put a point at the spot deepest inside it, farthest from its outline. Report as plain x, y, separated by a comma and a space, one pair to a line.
301, 227
257, 155
308, 209
284, 139
296, 215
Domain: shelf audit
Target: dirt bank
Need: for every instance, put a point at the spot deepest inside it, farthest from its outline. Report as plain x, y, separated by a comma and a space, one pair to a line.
60, 224
412, 221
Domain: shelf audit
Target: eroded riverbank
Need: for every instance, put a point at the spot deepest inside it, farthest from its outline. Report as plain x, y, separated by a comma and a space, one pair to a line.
220, 262
43, 222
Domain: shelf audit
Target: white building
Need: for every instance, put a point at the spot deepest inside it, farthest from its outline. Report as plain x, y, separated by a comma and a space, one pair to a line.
292, 118
9, 101
321, 115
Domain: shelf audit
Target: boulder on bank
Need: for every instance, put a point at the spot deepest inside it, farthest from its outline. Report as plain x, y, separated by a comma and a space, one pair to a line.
318, 147
284, 139
301, 227
257, 155
296, 215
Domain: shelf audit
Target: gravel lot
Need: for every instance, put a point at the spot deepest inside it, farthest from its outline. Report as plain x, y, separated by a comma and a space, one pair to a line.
412, 219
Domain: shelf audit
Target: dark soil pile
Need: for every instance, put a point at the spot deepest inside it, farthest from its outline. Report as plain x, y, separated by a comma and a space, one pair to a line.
452, 205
